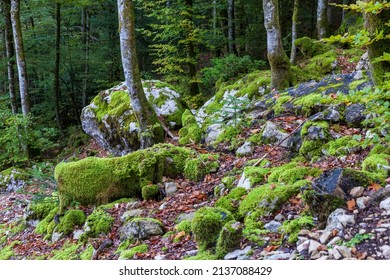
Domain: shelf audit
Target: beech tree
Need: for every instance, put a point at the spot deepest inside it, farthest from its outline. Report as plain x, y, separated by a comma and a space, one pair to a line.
151, 131
294, 32
281, 76
322, 19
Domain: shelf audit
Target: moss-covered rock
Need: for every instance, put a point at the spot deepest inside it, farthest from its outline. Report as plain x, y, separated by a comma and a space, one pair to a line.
231, 201
39, 210
98, 223
229, 238
69, 251
110, 118
141, 229
102, 180
184, 226
12, 179
87, 254
195, 169
377, 163
47, 225
206, 225
129, 254
310, 47
342, 146
70, 220
191, 132
7, 252
150, 192
291, 228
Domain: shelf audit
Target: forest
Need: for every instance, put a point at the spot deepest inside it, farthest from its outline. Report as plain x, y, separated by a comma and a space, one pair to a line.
192, 129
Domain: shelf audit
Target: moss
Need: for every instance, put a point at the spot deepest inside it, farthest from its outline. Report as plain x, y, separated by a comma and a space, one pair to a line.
103, 180
256, 175
195, 169
129, 254
290, 176
322, 64
7, 252
191, 132
274, 173
377, 163
308, 104
341, 146
71, 219
118, 105
184, 226
254, 227
229, 135
231, 201
47, 225
311, 47
17, 227
87, 253
229, 238
379, 149
311, 149
228, 181
355, 84
206, 225
279, 104
267, 198
322, 124
203, 255
150, 192
99, 222
123, 246
292, 227
39, 211
116, 202
69, 251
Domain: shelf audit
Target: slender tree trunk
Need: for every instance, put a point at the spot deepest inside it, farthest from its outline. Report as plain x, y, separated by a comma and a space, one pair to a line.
194, 86
10, 56
294, 32
345, 2
374, 23
86, 53
281, 76
151, 131
231, 28
57, 88
322, 19
20, 58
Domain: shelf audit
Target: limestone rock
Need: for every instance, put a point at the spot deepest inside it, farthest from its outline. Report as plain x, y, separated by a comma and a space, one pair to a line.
273, 134
131, 214
244, 182
170, 188
110, 119
385, 204
356, 192
245, 150
273, 226
238, 254
354, 114
140, 229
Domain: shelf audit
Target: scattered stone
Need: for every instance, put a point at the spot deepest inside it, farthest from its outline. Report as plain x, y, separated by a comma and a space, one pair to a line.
279, 218
244, 182
334, 241
141, 228
313, 247
212, 132
362, 231
273, 134
245, 150
159, 257
131, 214
386, 251
347, 220
185, 217
362, 202
163, 206
335, 254
357, 192
77, 234
354, 114
238, 254
56, 236
192, 253
304, 246
344, 251
325, 236
133, 205
273, 226
385, 204
170, 188
278, 256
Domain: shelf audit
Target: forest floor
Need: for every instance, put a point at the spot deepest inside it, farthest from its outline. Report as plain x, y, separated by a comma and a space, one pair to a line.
371, 224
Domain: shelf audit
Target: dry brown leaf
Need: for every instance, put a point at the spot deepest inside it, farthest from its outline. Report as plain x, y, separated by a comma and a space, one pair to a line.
271, 248
180, 235
375, 187
351, 204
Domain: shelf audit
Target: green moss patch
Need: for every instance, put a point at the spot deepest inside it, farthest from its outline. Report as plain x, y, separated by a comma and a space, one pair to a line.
150, 192
191, 132
293, 227
377, 163
195, 169
129, 254
229, 238
231, 201
69, 251
99, 222
71, 219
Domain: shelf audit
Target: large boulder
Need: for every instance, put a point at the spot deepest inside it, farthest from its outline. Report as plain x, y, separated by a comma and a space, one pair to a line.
110, 119
141, 229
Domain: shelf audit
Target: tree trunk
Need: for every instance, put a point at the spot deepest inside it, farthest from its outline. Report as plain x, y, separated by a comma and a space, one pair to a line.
194, 86
57, 88
281, 76
374, 23
322, 19
294, 32
151, 131
20, 59
86, 54
231, 28
344, 11
10, 56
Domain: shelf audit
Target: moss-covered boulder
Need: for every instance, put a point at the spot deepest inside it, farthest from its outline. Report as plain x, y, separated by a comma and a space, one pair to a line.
98, 223
141, 229
12, 179
110, 119
207, 224
102, 180
377, 163
129, 254
229, 238
70, 220
196, 168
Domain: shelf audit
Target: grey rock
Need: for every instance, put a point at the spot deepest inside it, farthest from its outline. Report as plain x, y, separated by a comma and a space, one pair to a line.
386, 252
315, 133
163, 206
313, 247
185, 217
192, 253
11, 182
244, 182
325, 236
364, 63
362, 202
274, 134
273, 226
385, 204
334, 241
238, 254
304, 246
131, 214
159, 257
56, 236
356, 192
344, 251
170, 188
333, 219
335, 254
379, 196
279, 218
245, 150
133, 205
212, 133
77, 234
280, 256
346, 220
140, 229
354, 114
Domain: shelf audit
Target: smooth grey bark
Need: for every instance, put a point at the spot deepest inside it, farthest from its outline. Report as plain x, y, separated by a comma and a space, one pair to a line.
20, 58
322, 19
294, 32
10, 53
151, 131
231, 28
281, 76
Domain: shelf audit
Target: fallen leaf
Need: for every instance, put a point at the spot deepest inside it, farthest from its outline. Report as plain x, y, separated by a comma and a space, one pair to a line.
271, 248
375, 187
333, 95
180, 235
351, 204
272, 186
